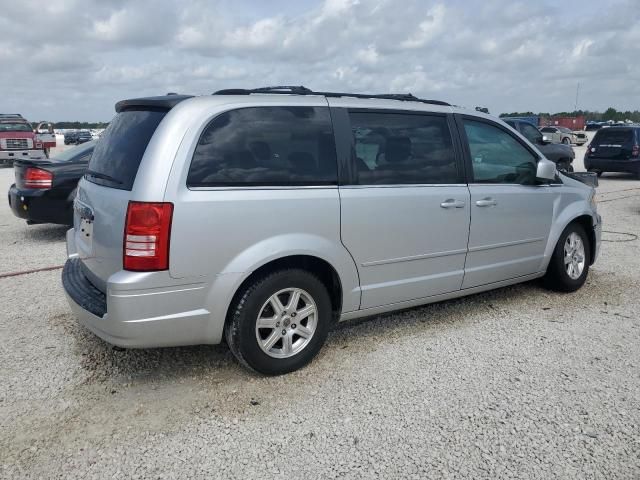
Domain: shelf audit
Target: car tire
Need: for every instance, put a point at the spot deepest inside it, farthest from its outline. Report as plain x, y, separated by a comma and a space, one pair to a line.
280, 345
569, 264
565, 165
566, 141
597, 172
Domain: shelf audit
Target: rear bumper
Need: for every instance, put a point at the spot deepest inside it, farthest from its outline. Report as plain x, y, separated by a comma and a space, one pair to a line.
38, 206
9, 156
606, 165
137, 313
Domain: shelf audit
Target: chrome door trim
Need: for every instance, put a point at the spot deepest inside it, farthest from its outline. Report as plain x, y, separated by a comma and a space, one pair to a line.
413, 257
506, 244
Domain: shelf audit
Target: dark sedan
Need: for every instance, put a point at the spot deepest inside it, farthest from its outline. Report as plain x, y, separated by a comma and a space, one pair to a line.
45, 189
83, 136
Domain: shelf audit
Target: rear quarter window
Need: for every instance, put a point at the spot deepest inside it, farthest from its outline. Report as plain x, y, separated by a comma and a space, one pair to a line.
118, 153
266, 146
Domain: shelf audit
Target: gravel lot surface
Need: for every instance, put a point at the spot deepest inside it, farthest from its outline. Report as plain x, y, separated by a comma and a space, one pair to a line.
514, 383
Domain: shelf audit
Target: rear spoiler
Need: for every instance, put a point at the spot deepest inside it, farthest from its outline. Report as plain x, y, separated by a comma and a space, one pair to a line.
164, 102
588, 178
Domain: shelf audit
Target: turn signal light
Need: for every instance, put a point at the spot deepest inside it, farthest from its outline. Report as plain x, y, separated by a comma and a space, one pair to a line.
146, 236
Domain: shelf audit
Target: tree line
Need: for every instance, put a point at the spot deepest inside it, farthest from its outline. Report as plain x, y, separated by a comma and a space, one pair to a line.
609, 114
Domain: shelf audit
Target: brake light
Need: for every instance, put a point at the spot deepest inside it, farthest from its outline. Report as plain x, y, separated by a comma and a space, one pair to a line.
146, 236
37, 178
635, 151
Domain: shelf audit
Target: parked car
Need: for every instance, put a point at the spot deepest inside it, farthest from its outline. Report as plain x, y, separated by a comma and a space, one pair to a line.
561, 154
83, 136
581, 138
70, 137
558, 135
264, 218
45, 189
591, 126
614, 149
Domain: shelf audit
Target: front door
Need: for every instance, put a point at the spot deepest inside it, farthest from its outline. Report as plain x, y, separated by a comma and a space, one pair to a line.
511, 213
405, 211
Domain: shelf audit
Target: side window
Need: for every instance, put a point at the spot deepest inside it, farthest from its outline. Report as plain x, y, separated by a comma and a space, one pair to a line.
497, 157
548, 130
392, 149
266, 146
530, 132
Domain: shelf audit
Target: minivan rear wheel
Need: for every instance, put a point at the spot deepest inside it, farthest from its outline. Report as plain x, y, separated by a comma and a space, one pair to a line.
279, 322
569, 264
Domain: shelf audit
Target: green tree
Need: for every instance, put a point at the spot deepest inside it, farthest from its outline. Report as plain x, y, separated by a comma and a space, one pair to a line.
610, 114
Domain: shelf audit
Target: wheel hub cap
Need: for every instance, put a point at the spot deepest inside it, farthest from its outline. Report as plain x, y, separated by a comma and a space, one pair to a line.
286, 323
574, 256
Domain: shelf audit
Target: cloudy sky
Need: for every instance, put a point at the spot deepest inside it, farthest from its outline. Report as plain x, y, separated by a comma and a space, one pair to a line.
73, 59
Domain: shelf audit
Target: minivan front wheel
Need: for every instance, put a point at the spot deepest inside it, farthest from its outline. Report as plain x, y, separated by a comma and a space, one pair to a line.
569, 265
279, 322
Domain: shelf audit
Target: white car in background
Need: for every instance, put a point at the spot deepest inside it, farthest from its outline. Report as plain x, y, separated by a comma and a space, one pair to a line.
559, 134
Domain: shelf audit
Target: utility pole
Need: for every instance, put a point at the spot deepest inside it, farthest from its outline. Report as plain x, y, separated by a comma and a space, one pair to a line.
575, 108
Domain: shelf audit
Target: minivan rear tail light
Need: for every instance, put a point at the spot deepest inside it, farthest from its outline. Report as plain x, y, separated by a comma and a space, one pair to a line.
635, 151
146, 236
37, 178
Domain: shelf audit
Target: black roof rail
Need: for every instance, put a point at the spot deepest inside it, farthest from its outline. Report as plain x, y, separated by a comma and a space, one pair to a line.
300, 90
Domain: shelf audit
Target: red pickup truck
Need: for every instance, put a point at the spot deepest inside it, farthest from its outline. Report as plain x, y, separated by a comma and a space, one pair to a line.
18, 141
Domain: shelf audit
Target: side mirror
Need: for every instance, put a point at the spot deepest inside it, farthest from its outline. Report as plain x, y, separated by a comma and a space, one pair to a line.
545, 140
546, 170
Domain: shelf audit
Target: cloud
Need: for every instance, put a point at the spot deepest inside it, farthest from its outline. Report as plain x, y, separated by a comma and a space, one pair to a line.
75, 58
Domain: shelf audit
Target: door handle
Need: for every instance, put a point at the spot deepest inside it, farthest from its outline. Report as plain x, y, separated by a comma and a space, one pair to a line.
452, 203
486, 202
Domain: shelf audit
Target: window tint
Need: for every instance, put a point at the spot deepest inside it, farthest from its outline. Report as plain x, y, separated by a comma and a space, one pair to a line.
118, 153
613, 136
497, 157
269, 146
393, 149
548, 130
530, 132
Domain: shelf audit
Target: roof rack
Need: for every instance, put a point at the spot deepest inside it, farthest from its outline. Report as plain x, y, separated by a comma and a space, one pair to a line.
300, 90
10, 115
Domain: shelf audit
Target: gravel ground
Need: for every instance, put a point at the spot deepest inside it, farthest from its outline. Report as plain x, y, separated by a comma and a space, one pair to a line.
514, 383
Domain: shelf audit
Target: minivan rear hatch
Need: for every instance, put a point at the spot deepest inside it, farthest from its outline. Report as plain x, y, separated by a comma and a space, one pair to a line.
612, 142
106, 189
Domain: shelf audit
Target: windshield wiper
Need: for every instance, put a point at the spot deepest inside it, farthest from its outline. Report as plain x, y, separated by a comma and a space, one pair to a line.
103, 176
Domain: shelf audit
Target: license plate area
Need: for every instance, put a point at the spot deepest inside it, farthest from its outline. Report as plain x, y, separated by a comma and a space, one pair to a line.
84, 231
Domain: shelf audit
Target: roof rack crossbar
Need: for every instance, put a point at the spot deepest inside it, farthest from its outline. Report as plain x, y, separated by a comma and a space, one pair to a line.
300, 90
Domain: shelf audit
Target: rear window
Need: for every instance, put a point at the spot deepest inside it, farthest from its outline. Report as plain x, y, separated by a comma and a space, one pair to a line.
613, 136
118, 153
266, 146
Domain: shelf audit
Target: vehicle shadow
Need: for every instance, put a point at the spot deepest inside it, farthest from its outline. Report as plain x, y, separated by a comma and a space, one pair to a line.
627, 177
46, 232
106, 363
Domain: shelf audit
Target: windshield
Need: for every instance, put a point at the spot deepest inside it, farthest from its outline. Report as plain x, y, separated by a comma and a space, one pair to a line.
15, 127
75, 152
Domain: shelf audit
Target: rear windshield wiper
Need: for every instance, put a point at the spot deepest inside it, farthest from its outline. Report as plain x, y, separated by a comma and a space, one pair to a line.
103, 176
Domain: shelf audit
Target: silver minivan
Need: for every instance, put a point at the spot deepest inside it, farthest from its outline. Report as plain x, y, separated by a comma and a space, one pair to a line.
265, 216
